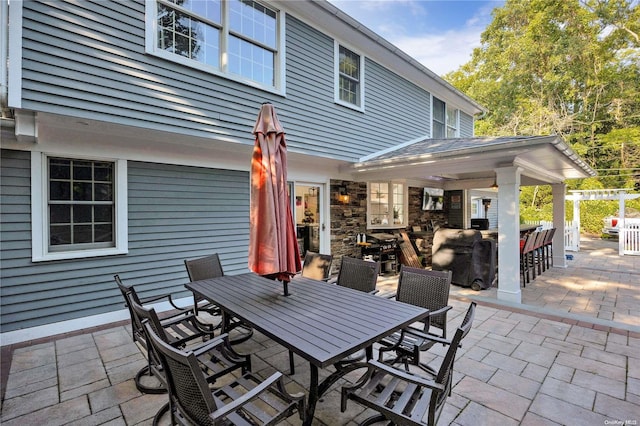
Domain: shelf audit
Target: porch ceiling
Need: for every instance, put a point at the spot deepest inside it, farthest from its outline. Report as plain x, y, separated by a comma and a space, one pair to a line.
543, 160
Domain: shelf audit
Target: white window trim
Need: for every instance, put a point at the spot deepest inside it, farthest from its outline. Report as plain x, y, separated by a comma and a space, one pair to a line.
336, 74
446, 125
40, 221
279, 87
405, 206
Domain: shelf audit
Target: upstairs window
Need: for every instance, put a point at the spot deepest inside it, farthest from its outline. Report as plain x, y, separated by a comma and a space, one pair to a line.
387, 205
349, 78
236, 38
444, 123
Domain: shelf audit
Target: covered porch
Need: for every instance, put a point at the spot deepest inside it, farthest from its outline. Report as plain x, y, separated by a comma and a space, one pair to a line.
484, 162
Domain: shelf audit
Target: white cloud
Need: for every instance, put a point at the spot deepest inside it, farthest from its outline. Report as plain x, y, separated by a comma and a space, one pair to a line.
441, 53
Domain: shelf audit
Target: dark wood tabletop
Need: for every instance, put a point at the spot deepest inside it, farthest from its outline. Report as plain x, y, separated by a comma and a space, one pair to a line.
320, 322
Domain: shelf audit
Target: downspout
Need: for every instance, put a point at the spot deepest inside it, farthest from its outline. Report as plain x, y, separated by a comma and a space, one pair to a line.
4, 58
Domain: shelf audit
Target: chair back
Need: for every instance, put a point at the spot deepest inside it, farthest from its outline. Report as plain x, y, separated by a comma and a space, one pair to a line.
444, 375
130, 297
427, 289
204, 267
548, 239
529, 242
540, 236
151, 317
317, 266
358, 274
187, 386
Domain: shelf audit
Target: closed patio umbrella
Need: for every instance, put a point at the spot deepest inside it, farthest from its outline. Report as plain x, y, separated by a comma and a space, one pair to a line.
273, 246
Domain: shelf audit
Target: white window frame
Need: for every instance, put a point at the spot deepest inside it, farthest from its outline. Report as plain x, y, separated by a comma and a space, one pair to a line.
405, 205
336, 72
40, 219
446, 125
279, 86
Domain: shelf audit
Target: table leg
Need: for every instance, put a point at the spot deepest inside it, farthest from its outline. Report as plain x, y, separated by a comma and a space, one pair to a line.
313, 395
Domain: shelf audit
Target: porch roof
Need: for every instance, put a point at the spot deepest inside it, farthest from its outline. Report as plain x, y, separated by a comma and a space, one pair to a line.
543, 159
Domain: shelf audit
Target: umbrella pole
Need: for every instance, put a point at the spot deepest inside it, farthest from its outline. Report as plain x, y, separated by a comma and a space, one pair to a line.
286, 287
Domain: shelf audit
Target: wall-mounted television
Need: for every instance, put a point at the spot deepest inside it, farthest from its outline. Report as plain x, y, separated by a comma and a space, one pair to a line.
433, 199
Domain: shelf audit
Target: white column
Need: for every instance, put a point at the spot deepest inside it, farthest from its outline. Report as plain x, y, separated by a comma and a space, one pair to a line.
558, 191
508, 180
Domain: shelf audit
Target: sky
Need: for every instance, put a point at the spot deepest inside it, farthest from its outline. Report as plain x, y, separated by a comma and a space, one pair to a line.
440, 34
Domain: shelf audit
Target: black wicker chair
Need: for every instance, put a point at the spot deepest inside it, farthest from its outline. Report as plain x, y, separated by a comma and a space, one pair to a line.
129, 294
317, 266
210, 267
216, 357
246, 400
358, 274
427, 289
402, 397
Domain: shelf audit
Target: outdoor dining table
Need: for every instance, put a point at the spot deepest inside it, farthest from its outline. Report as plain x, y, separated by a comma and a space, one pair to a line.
320, 322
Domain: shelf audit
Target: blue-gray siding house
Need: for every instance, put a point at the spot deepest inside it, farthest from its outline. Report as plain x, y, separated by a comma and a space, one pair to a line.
126, 139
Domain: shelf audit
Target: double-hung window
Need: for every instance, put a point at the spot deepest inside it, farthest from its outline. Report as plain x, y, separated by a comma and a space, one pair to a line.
239, 39
387, 205
444, 123
79, 207
349, 78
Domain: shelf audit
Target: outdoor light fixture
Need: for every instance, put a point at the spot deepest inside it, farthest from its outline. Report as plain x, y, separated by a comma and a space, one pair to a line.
495, 185
343, 196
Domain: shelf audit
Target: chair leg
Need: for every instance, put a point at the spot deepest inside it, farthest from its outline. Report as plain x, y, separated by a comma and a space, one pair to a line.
292, 368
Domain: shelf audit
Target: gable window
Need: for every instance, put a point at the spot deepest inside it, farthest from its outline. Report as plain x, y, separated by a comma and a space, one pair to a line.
444, 123
236, 38
77, 209
387, 204
349, 78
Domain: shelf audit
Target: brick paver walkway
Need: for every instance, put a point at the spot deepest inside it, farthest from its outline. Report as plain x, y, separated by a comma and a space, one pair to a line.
543, 365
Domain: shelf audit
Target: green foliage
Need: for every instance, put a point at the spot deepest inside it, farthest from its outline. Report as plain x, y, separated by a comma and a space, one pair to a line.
568, 67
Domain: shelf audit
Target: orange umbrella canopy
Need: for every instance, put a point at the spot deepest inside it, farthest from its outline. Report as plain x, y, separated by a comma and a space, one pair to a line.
273, 246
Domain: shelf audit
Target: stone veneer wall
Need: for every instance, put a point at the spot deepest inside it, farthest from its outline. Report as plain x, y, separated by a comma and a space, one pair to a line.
349, 219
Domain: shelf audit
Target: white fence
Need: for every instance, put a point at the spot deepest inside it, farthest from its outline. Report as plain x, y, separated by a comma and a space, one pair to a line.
630, 237
571, 233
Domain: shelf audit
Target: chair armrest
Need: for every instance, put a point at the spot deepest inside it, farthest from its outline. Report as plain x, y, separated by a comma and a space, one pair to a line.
210, 344
247, 397
426, 336
167, 296
387, 294
411, 378
440, 311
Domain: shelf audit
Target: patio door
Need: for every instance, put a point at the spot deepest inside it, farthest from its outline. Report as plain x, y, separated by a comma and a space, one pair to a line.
308, 215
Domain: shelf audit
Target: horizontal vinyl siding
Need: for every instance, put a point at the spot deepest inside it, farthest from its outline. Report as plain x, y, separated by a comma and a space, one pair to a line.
87, 59
395, 110
175, 212
466, 125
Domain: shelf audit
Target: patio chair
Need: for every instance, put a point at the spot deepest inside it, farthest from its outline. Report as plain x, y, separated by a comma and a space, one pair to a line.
538, 251
427, 289
215, 357
526, 258
205, 268
137, 333
548, 247
402, 397
358, 274
317, 266
246, 400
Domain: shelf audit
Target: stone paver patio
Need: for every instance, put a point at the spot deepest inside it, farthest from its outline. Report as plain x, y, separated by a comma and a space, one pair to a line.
554, 360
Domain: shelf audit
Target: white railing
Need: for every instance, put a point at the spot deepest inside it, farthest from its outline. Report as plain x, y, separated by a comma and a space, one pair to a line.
571, 232
630, 237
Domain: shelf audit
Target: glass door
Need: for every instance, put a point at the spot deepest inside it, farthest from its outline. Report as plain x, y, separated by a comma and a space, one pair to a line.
307, 212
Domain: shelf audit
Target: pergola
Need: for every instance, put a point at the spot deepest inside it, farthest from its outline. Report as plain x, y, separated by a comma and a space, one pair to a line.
474, 163
620, 195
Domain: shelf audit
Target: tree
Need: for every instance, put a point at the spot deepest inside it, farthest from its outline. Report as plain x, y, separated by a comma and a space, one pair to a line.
567, 67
